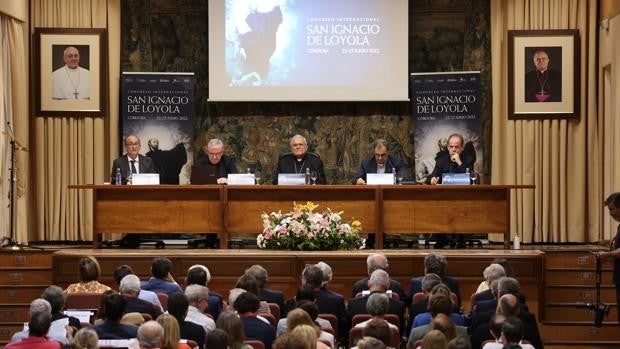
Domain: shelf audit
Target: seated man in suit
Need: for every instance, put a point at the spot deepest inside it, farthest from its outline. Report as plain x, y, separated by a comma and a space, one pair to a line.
380, 162
38, 327
130, 289
265, 294
508, 306
123, 270
299, 161
436, 263
113, 309
132, 161
199, 274
429, 281
378, 283
378, 261
483, 310
490, 274
247, 307
330, 302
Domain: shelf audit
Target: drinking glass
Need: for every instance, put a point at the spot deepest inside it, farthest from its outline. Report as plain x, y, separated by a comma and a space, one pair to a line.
399, 177
473, 175
257, 177
313, 176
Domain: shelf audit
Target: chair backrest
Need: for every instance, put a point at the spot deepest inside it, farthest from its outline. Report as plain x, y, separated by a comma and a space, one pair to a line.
271, 318
393, 319
418, 343
355, 335
418, 297
357, 318
333, 320
163, 299
453, 298
83, 301
254, 343
394, 338
472, 300
274, 308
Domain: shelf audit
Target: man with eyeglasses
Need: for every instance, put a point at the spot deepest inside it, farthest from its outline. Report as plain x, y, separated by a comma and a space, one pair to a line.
132, 162
299, 161
380, 162
213, 155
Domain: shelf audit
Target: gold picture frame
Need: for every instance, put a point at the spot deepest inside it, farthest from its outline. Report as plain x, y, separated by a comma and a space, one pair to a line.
543, 74
70, 72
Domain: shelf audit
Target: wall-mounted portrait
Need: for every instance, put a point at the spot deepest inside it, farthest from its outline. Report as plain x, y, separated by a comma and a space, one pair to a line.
543, 74
69, 67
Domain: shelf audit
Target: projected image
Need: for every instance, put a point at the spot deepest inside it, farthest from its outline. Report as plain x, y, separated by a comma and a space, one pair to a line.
358, 44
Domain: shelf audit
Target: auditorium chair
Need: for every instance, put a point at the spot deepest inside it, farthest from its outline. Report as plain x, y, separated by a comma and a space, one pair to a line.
420, 296
357, 333
83, 301
271, 319
274, 308
163, 299
333, 320
254, 343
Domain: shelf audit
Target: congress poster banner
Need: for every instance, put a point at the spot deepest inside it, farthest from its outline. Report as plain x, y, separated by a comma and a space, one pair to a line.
443, 104
159, 109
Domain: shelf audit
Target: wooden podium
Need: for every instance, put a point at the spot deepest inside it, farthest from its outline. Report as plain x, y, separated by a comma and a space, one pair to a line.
227, 210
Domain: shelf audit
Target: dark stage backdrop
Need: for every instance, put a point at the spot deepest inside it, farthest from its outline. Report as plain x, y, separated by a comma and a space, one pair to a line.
444, 35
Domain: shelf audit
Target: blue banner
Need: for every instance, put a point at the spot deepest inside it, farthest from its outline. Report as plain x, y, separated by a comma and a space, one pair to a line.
159, 109
443, 104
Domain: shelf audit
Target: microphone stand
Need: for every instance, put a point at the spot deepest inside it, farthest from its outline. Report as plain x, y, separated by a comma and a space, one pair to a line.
9, 242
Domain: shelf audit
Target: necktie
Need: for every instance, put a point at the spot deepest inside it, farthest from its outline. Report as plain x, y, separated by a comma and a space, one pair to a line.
133, 166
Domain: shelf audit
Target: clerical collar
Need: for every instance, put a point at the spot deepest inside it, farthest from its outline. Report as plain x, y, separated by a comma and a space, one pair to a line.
542, 71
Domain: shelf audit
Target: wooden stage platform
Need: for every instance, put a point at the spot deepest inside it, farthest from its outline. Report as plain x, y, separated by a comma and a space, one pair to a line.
555, 278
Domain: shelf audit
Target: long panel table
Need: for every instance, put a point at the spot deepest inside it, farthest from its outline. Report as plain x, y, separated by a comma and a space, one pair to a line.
228, 210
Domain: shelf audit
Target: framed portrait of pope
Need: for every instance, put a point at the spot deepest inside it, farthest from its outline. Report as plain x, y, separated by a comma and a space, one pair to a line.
70, 72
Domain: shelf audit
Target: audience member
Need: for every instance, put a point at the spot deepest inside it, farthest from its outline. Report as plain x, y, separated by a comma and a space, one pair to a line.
130, 289
439, 303
330, 302
38, 305
436, 263
161, 280
377, 306
378, 261
177, 307
491, 273
172, 333
198, 298
250, 284
309, 307
150, 335
38, 326
218, 339
287, 341
443, 323
378, 283
378, 329
199, 274
247, 305
85, 338
511, 333
484, 310
298, 317
266, 294
88, 273
459, 343
429, 281
309, 335
56, 298
111, 328
369, 343
230, 323
123, 270
434, 339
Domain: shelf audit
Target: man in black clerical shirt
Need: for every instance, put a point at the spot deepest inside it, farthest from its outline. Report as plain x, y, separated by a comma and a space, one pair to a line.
613, 205
298, 160
213, 155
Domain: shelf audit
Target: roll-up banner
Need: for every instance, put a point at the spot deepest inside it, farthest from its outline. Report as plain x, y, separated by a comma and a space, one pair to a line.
159, 109
443, 104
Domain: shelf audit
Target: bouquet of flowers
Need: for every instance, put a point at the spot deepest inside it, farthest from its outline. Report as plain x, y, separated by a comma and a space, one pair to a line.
305, 230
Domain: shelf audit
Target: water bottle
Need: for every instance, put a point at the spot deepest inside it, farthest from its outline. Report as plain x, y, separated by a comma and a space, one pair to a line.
118, 178
516, 243
308, 176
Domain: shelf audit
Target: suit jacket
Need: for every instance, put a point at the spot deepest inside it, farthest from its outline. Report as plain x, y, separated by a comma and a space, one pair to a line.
287, 163
392, 165
273, 296
362, 285
115, 330
145, 165
255, 328
358, 306
330, 302
195, 332
215, 305
443, 164
482, 296
135, 304
451, 282
484, 314
530, 332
